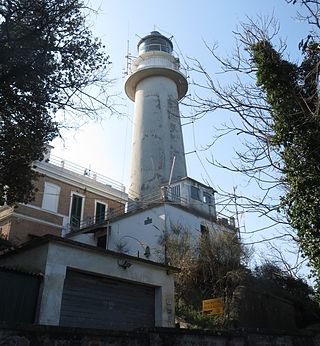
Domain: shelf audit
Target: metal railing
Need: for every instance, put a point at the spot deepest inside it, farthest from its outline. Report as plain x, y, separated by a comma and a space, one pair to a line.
164, 196
95, 221
86, 172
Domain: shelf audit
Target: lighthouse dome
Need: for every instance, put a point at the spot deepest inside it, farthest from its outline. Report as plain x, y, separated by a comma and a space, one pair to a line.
155, 42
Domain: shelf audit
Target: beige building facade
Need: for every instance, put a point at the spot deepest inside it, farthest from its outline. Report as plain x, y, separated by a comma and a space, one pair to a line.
68, 197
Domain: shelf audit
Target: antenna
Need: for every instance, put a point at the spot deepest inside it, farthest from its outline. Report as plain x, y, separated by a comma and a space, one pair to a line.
128, 60
236, 208
171, 171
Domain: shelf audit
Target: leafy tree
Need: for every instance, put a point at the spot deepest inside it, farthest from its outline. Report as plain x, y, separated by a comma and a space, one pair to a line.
270, 274
292, 91
215, 265
271, 278
49, 64
208, 265
276, 103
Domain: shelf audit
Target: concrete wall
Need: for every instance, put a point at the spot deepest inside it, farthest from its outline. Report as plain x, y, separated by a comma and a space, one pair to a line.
132, 233
45, 335
52, 259
157, 137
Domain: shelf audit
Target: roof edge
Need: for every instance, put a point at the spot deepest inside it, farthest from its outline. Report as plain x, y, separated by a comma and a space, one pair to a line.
72, 243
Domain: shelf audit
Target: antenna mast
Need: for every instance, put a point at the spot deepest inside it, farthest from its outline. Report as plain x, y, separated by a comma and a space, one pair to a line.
128, 61
236, 208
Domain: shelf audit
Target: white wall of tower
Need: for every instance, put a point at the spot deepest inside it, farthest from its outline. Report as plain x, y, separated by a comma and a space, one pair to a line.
157, 136
156, 85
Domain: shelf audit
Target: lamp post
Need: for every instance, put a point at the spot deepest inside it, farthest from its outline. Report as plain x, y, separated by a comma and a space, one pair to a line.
146, 248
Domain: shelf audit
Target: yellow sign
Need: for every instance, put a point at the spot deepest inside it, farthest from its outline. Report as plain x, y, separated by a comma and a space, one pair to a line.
213, 306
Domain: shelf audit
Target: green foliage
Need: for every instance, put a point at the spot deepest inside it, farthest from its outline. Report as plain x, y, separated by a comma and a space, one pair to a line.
197, 318
211, 266
275, 278
272, 279
214, 266
221, 263
47, 59
292, 92
180, 252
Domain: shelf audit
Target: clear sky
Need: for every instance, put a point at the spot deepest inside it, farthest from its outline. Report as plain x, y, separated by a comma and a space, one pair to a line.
105, 147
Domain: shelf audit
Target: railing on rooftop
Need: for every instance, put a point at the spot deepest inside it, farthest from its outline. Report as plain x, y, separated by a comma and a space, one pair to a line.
164, 196
167, 194
86, 172
170, 62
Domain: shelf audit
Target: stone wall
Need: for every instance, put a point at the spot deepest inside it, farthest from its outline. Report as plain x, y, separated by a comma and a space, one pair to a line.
45, 335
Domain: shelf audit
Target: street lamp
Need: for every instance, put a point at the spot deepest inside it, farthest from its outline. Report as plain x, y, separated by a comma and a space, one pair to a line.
145, 248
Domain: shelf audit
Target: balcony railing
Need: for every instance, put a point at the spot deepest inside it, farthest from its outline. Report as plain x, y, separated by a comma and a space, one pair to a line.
164, 196
86, 172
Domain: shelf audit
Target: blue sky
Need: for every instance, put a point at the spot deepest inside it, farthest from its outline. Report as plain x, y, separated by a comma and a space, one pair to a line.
106, 146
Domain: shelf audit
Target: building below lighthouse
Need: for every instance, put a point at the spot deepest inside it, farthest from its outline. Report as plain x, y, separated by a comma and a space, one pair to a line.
162, 197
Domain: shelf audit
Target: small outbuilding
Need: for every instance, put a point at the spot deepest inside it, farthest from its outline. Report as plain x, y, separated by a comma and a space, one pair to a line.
86, 286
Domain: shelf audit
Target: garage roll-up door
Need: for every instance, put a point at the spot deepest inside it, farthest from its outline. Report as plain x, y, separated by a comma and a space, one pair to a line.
91, 301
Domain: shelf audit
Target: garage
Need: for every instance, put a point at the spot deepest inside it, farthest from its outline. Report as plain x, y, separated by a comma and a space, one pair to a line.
92, 301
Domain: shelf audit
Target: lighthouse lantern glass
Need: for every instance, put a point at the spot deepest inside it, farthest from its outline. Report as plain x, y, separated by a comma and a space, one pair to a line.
155, 43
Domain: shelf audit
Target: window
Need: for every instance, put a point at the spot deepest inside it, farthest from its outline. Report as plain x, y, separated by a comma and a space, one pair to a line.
175, 192
206, 198
195, 193
100, 213
51, 196
102, 242
76, 210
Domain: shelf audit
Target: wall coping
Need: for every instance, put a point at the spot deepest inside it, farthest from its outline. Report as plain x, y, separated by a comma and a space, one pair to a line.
49, 238
243, 332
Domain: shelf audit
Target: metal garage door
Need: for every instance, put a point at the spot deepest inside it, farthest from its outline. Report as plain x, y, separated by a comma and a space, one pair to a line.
18, 296
91, 301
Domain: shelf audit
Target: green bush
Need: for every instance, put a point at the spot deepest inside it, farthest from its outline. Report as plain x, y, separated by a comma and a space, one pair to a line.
197, 318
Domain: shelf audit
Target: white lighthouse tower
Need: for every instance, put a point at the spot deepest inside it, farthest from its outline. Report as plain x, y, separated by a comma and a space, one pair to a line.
156, 85
162, 197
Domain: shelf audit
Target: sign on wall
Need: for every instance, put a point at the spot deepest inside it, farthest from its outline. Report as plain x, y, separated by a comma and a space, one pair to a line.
213, 306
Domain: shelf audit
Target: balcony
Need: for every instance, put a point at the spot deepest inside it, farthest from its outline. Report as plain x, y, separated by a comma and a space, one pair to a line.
180, 194
80, 171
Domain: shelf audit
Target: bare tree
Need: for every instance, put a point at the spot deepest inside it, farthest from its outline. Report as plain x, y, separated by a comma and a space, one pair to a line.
251, 119
268, 153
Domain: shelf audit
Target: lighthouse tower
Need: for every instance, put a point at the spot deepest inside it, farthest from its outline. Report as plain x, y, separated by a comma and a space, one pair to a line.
156, 85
